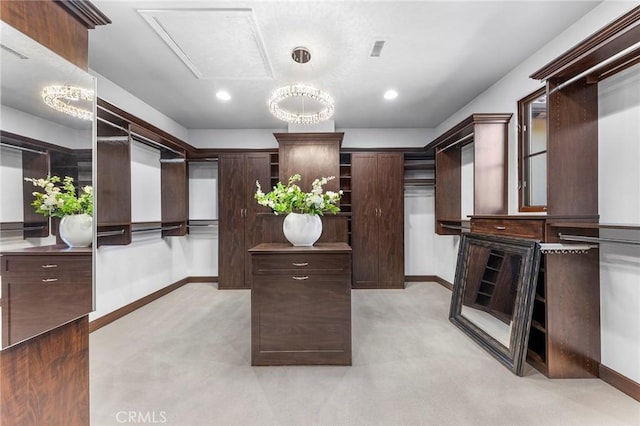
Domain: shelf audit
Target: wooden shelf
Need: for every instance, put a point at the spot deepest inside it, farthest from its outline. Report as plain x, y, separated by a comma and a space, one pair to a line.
419, 182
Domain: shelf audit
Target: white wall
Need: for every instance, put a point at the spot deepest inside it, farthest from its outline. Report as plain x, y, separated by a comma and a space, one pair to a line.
502, 97
353, 138
619, 202
146, 198
124, 100
33, 127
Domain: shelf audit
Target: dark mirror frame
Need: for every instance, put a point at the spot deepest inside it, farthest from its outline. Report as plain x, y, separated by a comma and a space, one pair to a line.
514, 356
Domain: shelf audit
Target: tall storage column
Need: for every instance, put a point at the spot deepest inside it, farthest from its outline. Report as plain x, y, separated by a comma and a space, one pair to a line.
238, 222
377, 220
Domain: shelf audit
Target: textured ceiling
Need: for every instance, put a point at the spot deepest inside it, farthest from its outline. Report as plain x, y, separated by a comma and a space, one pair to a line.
438, 55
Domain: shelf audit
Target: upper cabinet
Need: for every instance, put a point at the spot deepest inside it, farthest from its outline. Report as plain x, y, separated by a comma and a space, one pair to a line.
312, 155
488, 134
68, 37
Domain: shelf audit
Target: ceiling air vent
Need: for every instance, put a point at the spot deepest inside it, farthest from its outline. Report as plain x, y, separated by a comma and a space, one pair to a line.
377, 48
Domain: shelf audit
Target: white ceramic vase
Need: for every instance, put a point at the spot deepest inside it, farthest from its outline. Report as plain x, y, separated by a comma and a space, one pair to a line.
302, 229
76, 230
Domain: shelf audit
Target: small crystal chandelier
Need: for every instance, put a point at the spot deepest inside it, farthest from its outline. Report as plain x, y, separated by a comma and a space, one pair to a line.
301, 55
53, 96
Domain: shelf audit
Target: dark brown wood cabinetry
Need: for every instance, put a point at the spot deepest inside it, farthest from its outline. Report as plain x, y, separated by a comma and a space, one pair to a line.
240, 227
301, 304
564, 338
489, 135
377, 219
42, 288
312, 155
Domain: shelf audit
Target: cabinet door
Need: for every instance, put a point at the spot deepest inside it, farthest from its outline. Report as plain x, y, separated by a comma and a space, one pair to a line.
257, 167
231, 205
390, 197
364, 238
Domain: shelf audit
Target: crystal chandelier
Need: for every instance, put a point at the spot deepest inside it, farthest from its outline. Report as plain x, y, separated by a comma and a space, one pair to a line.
304, 91
301, 55
53, 96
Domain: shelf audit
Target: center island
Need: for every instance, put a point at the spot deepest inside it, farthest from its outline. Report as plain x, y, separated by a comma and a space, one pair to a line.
301, 304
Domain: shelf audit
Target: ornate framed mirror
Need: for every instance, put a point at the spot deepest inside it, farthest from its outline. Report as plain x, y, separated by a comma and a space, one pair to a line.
493, 294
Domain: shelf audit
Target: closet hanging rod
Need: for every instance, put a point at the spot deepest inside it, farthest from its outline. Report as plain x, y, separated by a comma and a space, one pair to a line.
595, 67
462, 139
110, 233
112, 125
21, 148
157, 228
144, 138
210, 225
202, 160
586, 239
152, 142
173, 160
457, 228
113, 139
23, 228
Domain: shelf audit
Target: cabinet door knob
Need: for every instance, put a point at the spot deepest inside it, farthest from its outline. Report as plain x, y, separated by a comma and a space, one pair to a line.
305, 277
49, 280
501, 228
50, 265
300, 264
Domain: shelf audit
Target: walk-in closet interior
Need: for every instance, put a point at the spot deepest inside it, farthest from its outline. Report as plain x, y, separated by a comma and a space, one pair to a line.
494, 195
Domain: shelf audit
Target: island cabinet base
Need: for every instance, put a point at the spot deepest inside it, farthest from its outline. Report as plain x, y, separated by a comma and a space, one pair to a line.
301, 304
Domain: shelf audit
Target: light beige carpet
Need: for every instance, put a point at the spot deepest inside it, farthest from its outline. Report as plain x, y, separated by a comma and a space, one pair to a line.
185, 360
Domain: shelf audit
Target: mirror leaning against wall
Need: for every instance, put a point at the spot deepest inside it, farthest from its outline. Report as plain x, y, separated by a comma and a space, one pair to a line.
493, 294
47, 123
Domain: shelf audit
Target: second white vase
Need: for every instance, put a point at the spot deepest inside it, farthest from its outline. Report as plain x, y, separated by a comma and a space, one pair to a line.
302, 230
76, 230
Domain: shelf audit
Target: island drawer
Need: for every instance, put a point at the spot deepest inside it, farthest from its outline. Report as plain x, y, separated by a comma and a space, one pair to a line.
301, 263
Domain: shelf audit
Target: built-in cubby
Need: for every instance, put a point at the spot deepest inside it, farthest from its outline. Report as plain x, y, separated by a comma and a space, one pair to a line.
345, 186
489, 134
419, 169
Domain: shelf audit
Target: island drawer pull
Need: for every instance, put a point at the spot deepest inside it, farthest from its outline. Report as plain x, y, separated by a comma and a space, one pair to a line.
306, 277
49, 280
50, 265
501, 228
300, 264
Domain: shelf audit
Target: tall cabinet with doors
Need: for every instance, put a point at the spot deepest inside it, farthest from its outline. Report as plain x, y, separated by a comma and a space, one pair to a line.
240, 227
377, 229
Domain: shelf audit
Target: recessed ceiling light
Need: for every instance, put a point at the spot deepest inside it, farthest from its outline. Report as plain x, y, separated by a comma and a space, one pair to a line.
223, 95
390, 94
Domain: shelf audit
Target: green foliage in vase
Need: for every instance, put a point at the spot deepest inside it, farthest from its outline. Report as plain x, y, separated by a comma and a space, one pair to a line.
291, 199
61, 200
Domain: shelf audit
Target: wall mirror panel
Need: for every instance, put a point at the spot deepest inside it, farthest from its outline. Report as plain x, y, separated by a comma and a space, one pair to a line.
493, 294
38, 140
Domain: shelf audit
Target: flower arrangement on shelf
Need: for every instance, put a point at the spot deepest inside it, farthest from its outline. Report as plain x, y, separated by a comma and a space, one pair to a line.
60, 201
291, 199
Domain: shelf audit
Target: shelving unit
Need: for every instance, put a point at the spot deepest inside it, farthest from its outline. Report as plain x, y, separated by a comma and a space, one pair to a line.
345, 186
489, 134
419, 169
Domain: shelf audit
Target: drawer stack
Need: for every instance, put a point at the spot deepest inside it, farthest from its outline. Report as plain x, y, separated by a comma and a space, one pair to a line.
41, 292
301, 304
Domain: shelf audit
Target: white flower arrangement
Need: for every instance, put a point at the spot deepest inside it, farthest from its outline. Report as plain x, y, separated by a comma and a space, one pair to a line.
291, 199
60, 201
